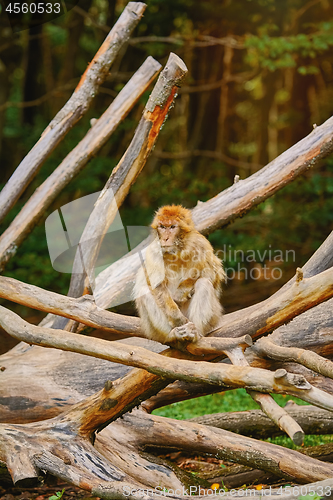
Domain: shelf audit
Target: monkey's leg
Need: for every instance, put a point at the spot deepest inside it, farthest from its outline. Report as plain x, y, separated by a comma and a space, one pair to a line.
205, 309
162, 319
154, 321
182, 328
184, 292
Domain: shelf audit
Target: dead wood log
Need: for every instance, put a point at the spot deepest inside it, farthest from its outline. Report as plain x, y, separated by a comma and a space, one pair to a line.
114, 438
271, 313
281, 307
266, 347
67, 472
254, 423
235, 476
312, 330
125, 173
75, 107
161, 366
95, 138
61, 447
38, 383
298, 297
156, 431
180, 390
277, 414
82, 309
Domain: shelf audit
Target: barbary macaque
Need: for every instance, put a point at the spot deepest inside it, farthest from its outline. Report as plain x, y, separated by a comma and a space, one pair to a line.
178, 287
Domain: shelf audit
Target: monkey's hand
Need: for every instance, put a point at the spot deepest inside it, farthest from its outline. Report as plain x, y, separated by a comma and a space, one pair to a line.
184, 291
187, 332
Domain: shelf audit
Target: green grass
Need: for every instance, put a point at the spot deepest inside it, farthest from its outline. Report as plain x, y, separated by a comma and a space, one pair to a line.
236, 400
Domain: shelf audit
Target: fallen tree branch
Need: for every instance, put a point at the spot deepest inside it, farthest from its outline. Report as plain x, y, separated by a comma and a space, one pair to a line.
82, 309
266, 347
125, 173
59, 447
235, 476
75, 107
279, 308
274, 311
166, 367
277, 414
254, 423
76, 160
156, 431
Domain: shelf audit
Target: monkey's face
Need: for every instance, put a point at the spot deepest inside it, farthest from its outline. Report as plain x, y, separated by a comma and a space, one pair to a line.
169, 237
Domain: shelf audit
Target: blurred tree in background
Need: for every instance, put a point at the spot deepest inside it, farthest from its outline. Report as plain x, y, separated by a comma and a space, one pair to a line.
260, 76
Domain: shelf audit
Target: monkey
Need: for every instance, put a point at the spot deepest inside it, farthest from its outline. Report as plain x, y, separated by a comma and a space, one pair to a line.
177, 289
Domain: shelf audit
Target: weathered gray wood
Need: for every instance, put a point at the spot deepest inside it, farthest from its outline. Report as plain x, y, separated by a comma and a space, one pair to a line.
56, 446
279, 308
180, 390
38, 383
274, 411
254, 423
163, 366
76, 160
126, 172
266, 347
75, 107
225, 445
311, 330
82, 309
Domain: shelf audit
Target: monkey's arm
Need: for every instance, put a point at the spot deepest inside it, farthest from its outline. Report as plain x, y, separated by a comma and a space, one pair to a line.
165, 302
181, 327
184, 291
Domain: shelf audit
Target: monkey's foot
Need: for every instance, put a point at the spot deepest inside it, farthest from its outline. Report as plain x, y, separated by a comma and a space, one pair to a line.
187, 332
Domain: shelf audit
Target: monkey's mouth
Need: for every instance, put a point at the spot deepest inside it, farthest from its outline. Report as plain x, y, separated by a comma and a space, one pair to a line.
169, 248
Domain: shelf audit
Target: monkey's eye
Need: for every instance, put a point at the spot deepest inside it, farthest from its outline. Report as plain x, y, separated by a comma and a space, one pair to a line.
162, 227
172, 227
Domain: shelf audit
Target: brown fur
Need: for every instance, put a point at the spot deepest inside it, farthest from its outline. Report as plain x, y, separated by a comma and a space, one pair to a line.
178, 291
177, 213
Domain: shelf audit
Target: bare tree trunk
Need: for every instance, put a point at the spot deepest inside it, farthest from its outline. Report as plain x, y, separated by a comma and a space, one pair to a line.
74, 109
77, 159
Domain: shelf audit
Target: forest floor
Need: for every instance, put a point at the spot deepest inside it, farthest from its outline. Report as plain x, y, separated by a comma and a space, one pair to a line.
44, 492
207, 467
